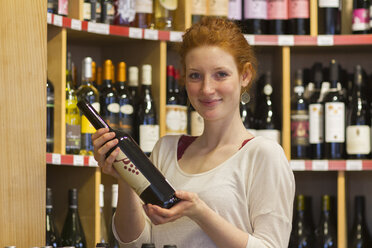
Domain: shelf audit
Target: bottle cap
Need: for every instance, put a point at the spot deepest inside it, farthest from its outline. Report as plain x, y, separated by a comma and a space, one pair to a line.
146, 74
133, 76
170, 70
107, 70
121, 72
333, 71
87, 68
73, 197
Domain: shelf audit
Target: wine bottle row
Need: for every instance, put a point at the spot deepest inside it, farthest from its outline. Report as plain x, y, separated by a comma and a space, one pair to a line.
324, 234
332, 120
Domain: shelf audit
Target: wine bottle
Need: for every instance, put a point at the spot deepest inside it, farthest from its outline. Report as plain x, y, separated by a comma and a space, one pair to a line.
50, 117
330, 10
62, 7
134, 166
72, 232
218, 8
302, 235
299, 120
181, 96
125, 12
299, 17
235, 11
114, 202
94, 75
147, 119
316, 137
247, 117
50, 6
103, 237
89, 92
255, 17
99, 79
52, 235
144, 14
267, 121
134, 92
126, 113
98, 10
334, 117
107, 11
87, 10
198, 10
109, 102
358, 125
277, 15
359, 236
93, 10
361, 17
73, 127
164, 14
196, 122
326, 231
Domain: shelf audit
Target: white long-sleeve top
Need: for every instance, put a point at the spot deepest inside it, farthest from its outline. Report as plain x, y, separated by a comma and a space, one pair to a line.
253, 189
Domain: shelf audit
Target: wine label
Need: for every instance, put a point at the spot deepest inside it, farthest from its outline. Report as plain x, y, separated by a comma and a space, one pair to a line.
148, 136
255, 9
298, 9
329, 3
87, 14
218, 8
144, 6
334, 122
300, 128
176, 119
86, 126
277, 10
235, 10
197, 123
272, 134
126, 10
169, 4
358, 139
50, 100
199, 7
63, 7
360, 20
130, 173
316, 123
73, 136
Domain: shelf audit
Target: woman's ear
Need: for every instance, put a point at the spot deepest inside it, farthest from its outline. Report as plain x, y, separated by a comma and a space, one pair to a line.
246, 74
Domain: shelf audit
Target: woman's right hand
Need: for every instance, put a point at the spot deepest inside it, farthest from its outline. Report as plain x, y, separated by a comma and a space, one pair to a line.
103, 141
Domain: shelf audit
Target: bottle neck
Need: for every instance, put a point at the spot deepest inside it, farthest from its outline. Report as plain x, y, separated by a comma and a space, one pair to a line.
94, 118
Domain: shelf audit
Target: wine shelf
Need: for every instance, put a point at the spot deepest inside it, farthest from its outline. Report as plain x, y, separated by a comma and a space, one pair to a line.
176, 36
331, 165
71, 160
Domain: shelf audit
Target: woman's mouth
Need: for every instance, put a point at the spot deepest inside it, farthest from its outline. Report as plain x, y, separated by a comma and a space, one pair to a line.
210, 102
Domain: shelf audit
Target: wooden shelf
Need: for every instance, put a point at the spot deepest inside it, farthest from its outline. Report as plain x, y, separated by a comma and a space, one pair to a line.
331, 165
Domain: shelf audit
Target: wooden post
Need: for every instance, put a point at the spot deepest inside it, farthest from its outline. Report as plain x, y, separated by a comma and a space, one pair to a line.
341, 210
286, 101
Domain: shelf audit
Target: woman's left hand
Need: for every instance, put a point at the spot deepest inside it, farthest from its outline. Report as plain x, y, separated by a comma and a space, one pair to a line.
190, 205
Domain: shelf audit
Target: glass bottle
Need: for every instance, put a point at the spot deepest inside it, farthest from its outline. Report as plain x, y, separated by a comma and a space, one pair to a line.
326, 232
52, 235
359, 236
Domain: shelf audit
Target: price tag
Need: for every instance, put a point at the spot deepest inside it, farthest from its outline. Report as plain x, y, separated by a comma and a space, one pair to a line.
298, 165
135, 33
151, 34
285, 40
325, 40
92, 161
78, 160
354, 165
75, 24
56, 158
98, 28
320, 165
175, 36
49, 18
57, 20
250, 39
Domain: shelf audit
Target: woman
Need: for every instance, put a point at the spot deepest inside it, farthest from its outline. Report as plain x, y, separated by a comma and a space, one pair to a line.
237, 190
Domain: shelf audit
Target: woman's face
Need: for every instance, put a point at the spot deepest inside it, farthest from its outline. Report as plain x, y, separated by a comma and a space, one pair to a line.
213, 82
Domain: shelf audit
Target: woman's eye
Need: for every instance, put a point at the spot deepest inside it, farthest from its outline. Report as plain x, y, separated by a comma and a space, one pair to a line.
221, 74
194, 76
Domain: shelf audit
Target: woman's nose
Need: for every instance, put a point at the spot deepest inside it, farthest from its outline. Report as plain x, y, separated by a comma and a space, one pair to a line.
208, 85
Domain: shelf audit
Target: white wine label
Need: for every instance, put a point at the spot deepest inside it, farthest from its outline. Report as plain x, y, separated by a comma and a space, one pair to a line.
76, 24
218, 8
270, 134
199, 7
126, 109
113, 107
96, 106
235, 10
334, 122
169, 4
176, 119
255, 9
148, 136
316, 123
130, 173
197, 124
144, 6
73, 136
358, 139
87, 14
329, 3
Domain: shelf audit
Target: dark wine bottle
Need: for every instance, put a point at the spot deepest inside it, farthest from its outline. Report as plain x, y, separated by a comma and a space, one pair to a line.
358, 125
72, 232
134, 166
50, 117
277, 15
330, 10
181, 96
247, 117
172, 119
103, 237
107, 11
299, 17
52, 235
144, 14
110, 107
114, 202
360, 17
302, 235
334, 117
134, 92
359, 236
316, 136
87, 10
326, 232
299, 120
255, 17
147, 119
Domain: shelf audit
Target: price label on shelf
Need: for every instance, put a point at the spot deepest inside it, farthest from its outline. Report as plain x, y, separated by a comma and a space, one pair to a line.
49, 18
135, 33
78, 160
354, 165
175, 36
249, 38
56, 158
98, 28
320, 165
298, 165
75, 24
285, 40
151, 34
325, 40
92, 161
57, 20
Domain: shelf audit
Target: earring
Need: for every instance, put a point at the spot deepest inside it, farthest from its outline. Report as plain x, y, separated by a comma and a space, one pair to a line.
245, 98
